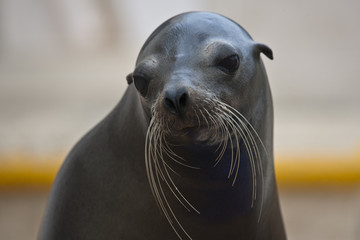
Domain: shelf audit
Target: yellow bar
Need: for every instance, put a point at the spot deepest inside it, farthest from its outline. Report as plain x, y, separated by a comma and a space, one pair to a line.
318, 170
24, 170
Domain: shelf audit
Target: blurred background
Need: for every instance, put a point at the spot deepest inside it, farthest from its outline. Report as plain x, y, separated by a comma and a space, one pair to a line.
62, 69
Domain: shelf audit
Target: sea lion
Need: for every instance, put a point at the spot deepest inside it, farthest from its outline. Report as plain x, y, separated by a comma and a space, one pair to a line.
188, 151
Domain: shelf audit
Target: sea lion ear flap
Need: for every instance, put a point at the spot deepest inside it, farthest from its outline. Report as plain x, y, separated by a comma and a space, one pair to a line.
262, 48
129, 78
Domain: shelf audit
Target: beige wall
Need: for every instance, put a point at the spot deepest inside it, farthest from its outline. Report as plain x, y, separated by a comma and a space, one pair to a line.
63, 66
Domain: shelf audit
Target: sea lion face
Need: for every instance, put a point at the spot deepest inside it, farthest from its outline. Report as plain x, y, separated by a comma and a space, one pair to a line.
191, 69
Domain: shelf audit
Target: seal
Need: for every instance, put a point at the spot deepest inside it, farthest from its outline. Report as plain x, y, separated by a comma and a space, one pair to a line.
188, 151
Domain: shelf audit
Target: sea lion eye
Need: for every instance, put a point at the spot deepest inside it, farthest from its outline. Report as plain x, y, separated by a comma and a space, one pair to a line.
141, 84
229, 64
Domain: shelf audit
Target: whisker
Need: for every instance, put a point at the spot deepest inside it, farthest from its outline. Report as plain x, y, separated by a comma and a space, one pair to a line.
197, 116
204, 118
248, 149
158, 173
228, 128
251, 145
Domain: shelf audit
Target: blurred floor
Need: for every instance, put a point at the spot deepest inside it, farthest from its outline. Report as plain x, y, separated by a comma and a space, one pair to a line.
308, 214
20, 214
321, 214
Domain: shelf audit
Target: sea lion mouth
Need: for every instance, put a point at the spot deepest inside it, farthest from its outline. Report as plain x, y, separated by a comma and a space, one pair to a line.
200, 123
190, 131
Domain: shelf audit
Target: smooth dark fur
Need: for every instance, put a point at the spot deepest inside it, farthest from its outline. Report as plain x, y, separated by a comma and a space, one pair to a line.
102, 191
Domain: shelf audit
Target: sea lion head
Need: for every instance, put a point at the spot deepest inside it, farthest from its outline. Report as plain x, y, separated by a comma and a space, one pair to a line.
192, 69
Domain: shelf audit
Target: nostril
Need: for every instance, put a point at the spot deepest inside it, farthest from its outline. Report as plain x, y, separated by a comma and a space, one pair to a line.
170, 105
183, 101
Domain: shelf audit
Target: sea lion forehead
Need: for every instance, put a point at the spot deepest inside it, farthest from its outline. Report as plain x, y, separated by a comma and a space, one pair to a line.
213, 24
188, 30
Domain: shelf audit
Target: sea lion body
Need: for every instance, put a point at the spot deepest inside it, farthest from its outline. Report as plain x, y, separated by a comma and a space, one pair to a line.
187, 152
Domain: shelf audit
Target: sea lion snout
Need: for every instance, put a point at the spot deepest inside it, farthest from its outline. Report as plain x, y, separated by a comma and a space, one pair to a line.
176, 100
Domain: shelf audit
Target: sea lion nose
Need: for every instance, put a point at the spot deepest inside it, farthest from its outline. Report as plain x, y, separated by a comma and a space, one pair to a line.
176, 100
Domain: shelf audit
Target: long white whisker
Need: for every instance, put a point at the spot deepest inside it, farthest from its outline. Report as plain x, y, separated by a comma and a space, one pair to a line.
228, 128
249, 151
158, 171
245, 123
